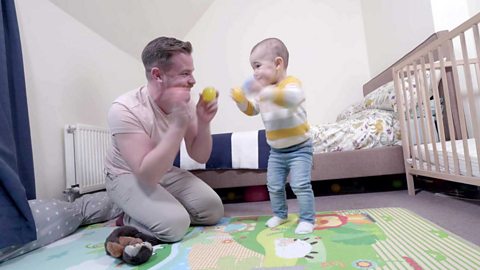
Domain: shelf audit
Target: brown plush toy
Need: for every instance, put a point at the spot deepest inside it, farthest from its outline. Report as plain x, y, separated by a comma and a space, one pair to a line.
130, 245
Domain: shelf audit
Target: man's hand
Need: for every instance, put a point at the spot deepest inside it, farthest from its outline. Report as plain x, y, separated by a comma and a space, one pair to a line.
206, 110
181, 115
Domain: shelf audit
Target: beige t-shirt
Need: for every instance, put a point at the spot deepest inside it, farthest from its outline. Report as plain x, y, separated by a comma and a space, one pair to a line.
133, 112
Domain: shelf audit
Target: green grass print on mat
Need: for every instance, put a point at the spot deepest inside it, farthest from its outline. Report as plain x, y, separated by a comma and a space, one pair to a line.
389, 238
378, 238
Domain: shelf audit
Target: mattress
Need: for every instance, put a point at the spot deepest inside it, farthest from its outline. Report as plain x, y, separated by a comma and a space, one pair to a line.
472, 150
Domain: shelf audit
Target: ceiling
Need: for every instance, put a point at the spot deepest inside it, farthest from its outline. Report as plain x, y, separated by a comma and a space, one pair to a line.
130, 24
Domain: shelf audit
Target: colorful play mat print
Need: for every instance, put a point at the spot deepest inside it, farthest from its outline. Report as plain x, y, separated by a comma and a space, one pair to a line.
381, 238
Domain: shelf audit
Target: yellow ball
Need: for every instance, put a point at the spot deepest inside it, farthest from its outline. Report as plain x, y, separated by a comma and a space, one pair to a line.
209, 94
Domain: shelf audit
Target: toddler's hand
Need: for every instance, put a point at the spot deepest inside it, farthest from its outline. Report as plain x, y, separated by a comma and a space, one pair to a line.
237, 95
251, 85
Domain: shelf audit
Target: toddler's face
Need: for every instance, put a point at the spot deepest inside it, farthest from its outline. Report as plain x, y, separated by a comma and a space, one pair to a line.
264, 68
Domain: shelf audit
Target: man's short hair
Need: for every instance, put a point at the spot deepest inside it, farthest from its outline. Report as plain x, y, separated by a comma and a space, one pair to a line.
158, 52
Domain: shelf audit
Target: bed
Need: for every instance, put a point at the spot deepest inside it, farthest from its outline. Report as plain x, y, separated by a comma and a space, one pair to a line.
330, 163
440, 126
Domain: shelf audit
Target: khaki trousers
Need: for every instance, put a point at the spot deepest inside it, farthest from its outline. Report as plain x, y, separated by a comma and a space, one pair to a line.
166, 210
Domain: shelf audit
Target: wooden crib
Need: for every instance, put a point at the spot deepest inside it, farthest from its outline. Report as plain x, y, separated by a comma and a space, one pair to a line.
438, 100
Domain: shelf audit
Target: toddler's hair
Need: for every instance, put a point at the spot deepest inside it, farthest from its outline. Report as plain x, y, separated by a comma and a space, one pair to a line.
275, 46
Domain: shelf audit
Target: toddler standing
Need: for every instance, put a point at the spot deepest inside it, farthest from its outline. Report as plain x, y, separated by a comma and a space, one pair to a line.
280, 101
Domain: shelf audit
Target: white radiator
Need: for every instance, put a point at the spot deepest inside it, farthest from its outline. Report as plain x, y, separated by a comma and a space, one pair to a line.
85, 151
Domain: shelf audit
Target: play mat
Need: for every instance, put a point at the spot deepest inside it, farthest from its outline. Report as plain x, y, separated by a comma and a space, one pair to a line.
381, 238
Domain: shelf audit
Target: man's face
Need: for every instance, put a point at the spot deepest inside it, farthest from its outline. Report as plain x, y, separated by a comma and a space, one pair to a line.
178, 79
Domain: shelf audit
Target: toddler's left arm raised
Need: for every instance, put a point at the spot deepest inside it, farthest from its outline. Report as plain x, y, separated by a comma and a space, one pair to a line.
243, 103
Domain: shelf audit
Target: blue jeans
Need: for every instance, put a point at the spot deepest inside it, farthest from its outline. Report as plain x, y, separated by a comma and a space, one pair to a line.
296, 160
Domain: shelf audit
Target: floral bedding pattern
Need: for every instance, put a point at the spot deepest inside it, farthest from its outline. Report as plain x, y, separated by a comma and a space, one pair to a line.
369, 128
368, 124
383, 98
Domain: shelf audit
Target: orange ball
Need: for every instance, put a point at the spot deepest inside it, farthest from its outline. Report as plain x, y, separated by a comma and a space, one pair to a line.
335, 188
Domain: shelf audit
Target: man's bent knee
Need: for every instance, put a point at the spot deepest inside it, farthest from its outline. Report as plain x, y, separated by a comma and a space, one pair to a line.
173, 230
211, 214
215, 214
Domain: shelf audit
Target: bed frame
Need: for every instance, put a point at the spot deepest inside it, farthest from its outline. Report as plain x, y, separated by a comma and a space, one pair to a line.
329, 166
454, 103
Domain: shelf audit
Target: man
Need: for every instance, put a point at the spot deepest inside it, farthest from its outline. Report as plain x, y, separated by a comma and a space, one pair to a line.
147, 126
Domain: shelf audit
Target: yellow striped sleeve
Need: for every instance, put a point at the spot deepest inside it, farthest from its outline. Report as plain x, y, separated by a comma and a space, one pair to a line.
250, 110
288, 80
245, 105
299, 130
279, 97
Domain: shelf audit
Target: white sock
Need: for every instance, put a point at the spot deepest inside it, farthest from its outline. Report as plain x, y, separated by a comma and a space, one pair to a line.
304, 227
275, 221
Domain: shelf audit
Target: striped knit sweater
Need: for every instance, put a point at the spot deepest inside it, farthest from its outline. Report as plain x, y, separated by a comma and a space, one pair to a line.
282, 109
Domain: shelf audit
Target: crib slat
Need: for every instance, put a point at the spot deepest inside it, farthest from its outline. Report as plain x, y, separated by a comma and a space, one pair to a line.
431, 129
474, 114
461, 109
400, 101
414, 91
408, 112
421, 111
449, 114
438, 108
471, 99
406, 138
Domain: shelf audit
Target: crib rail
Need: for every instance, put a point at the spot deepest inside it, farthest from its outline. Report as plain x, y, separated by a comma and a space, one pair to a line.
438, 101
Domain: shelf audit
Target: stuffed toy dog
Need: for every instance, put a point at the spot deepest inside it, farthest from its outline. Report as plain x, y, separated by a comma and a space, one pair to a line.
130, 245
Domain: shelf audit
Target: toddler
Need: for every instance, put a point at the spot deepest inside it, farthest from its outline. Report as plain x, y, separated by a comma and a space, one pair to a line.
280, 101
